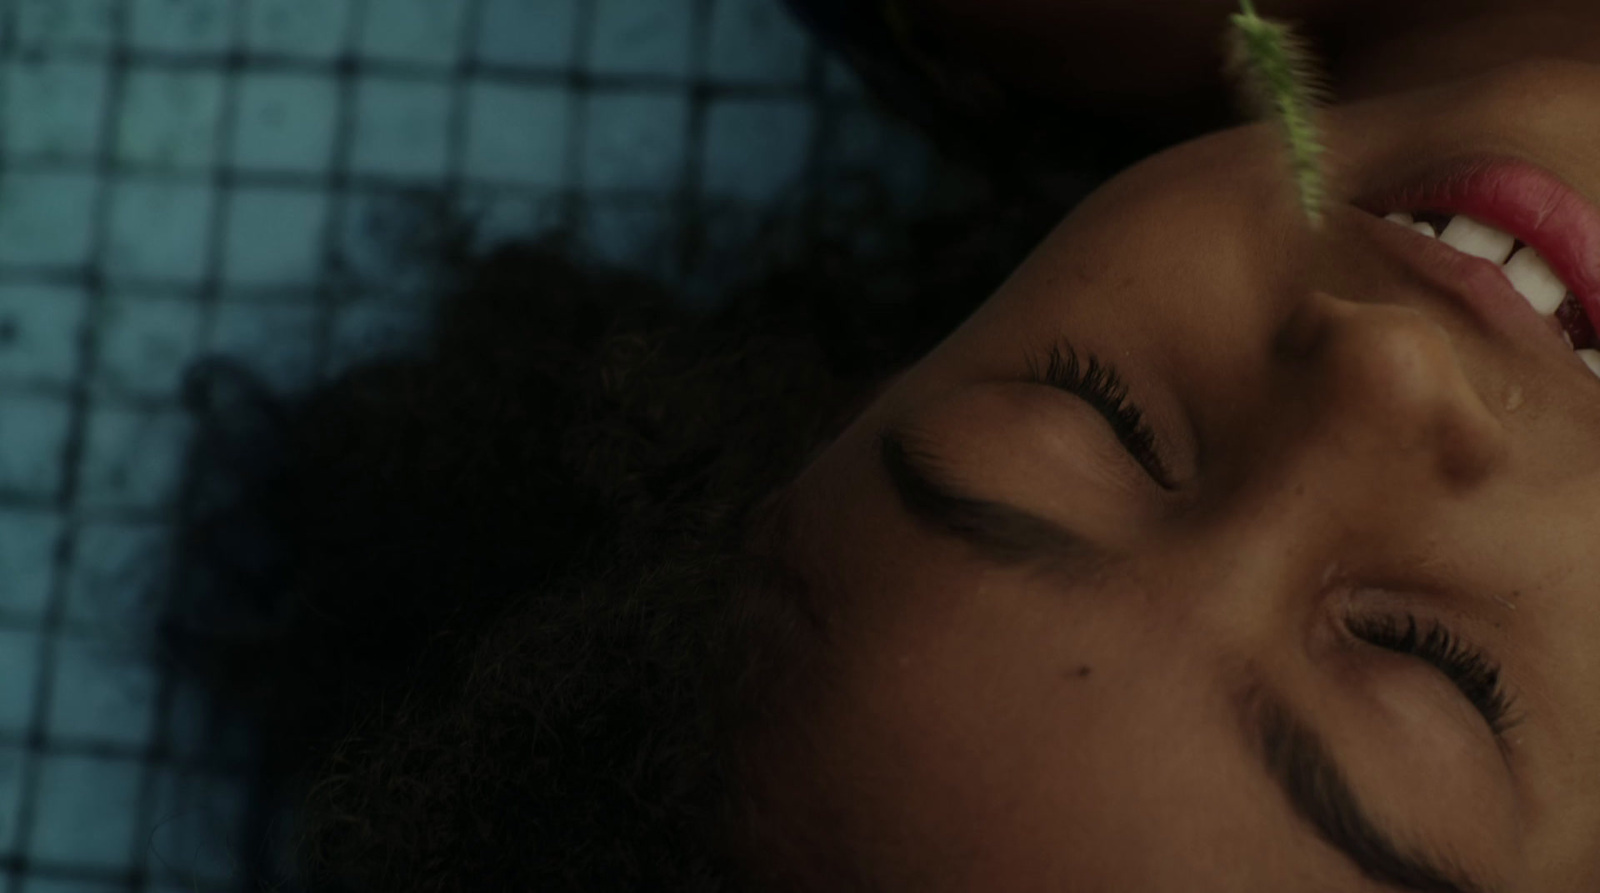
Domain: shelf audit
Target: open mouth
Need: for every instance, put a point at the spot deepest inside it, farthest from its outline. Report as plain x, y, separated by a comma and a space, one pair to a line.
1522, 266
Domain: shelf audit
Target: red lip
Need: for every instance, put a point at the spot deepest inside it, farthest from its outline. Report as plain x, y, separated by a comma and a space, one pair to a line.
1477, 283
1516, 197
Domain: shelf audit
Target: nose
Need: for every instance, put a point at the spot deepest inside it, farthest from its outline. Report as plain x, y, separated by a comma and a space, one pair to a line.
1382, 384
1367, 425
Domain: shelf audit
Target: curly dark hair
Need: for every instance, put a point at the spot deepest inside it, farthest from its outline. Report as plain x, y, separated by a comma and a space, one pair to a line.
506, 612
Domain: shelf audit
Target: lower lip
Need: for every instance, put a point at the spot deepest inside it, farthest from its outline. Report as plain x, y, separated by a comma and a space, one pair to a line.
1515, 197
1478, 283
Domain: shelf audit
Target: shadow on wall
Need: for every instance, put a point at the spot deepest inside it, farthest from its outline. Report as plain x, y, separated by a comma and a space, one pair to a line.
343, 550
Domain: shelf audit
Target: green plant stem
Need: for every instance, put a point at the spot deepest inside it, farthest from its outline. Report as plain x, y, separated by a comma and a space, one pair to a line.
1279, 77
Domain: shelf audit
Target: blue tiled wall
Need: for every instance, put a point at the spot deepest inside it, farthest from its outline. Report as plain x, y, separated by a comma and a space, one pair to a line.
180, 177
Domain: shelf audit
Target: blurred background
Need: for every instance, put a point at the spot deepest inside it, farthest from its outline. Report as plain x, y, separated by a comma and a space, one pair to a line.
265, 180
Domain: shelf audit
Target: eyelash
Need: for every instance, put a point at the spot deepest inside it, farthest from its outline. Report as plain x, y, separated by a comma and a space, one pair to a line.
1471, 670
1101, 387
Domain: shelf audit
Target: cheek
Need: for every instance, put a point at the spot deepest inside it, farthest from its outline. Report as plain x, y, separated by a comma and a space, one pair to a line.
952, 732
1003, 742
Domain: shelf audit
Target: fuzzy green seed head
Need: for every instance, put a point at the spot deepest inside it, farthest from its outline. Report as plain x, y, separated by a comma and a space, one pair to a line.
1279, 77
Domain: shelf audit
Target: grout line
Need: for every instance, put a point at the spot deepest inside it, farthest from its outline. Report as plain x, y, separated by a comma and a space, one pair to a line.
575, 74
274, 179
79, 400
336, 186
579, 87
456, 199
159, 755
690, 206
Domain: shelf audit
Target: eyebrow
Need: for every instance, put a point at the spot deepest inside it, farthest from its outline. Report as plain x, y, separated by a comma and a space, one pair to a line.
1295, 756
1302, 764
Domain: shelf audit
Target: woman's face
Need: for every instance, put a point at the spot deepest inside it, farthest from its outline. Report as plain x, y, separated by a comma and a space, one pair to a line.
1060, 675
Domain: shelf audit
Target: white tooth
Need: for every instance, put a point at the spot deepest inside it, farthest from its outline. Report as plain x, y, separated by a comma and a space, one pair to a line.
1591, 358
1469, 236
1533, 279
1425, 228
1399, 217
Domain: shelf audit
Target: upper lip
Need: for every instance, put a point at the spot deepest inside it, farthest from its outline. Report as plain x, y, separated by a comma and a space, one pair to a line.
1517, 197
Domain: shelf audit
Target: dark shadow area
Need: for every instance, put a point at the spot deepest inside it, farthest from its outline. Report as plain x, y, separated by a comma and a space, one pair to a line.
475, 599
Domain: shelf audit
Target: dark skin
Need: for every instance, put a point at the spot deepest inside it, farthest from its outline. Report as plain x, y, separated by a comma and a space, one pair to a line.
1343, 439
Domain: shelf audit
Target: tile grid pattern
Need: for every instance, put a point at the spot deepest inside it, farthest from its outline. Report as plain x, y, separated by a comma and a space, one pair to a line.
245, 177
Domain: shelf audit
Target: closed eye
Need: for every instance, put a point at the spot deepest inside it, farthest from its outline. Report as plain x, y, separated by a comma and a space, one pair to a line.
1100, 386
1468, 667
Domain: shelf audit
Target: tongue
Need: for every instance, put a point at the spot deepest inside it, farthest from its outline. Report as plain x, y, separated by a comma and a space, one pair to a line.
1576, 325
